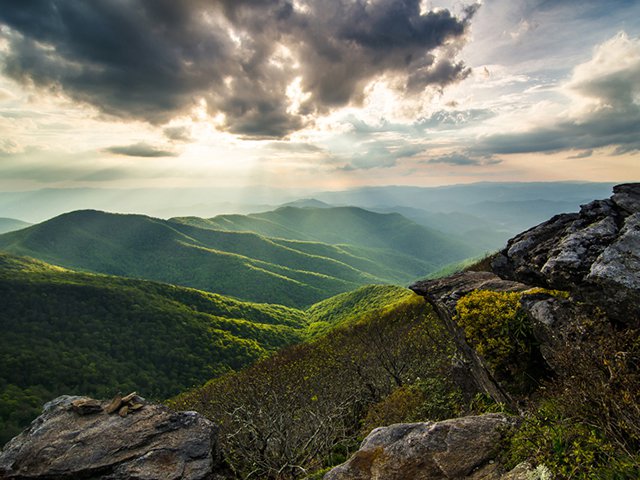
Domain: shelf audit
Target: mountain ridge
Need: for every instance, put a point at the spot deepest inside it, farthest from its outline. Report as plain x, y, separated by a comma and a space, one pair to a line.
242, 264
12, 224
348, 225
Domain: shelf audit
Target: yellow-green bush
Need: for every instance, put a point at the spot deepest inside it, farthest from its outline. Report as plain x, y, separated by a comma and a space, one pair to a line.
495, 325
396, 408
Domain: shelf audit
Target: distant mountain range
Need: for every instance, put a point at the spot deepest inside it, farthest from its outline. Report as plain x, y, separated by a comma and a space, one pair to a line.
11, 224
345, 225
355, 247
507, 207
39, 205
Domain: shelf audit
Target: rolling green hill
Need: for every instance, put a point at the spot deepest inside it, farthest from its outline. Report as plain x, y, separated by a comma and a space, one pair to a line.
242, 265
346, 225
239, 264
65, 332
350, 307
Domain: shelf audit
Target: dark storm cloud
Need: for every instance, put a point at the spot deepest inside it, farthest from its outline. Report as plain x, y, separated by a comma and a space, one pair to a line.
155, 59
141, 150
347, 43
130, 59
604, 129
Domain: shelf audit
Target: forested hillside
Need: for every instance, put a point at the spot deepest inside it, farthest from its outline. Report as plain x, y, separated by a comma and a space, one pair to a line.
350, 307
66, 332
307, 406
240, 264
75, 333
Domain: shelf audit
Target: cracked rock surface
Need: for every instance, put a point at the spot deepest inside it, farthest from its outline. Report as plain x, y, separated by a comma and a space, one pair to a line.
153, 443
594, 254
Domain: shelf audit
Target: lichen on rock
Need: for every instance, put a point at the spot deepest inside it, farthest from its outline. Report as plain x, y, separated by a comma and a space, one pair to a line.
427, 451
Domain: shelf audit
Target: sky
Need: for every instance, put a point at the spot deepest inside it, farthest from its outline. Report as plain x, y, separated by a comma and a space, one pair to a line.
320, 94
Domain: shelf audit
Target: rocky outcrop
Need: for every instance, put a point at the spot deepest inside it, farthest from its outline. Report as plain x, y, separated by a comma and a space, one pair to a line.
594, 254
443, 294
461, 448
76, 438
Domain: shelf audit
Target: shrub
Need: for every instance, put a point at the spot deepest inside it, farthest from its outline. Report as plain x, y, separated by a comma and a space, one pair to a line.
569, 447
396, 408
605, 390
430, 399
588, 425
496, 326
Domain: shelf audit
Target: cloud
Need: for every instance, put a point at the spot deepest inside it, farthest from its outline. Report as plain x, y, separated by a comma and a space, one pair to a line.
178, 134
610, 78
140, 150
381, 155
157, 59
439, 120
5, 95
461, 159
294, 147
9, 147
450, 119
583, 154
605, 109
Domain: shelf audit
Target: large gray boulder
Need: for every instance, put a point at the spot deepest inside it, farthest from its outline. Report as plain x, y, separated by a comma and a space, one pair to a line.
452, 449
76, 438
594, 254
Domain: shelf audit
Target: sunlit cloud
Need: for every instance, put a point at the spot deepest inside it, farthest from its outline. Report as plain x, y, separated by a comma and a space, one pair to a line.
264, 66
